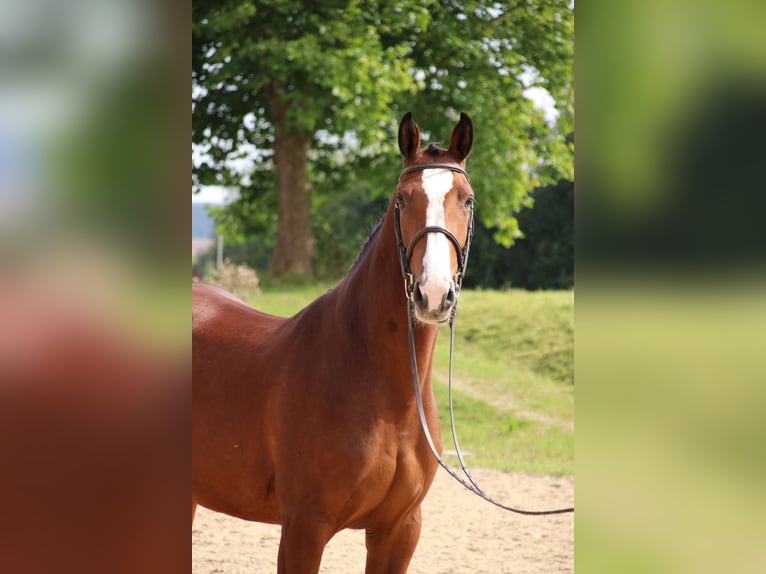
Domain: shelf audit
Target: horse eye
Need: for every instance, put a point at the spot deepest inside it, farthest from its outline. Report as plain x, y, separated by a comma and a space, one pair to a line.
399, 201
469, 203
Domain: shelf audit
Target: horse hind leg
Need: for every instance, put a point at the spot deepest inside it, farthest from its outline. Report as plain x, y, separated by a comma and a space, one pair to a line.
389, 550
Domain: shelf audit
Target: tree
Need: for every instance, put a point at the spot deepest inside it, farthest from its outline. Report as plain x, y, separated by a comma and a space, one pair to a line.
310, 94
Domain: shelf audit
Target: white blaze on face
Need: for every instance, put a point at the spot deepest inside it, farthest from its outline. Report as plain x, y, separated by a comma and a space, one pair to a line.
437, 277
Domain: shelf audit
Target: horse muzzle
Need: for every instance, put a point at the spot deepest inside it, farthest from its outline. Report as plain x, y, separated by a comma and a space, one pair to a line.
433, 302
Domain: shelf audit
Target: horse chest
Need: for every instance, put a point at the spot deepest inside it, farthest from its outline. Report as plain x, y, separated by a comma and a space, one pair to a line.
392, 478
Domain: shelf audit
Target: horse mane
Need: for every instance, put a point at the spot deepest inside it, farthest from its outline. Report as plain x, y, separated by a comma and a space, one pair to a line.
367, 243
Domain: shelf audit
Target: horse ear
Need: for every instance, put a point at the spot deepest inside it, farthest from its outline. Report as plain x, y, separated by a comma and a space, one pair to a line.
409, 136
462, 137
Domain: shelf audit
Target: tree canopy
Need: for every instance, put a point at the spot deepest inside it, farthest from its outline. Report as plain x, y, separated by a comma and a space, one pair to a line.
336, 77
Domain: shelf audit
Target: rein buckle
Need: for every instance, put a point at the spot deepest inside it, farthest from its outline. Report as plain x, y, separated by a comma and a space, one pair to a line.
409, 285
457, 280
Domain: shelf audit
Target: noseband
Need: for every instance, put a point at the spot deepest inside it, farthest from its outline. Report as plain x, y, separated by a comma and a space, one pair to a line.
405, 254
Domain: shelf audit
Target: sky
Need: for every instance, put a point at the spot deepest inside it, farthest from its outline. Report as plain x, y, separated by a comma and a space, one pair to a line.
210, 194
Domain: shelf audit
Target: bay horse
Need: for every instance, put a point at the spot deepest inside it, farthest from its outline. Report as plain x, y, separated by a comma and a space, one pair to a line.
311, 422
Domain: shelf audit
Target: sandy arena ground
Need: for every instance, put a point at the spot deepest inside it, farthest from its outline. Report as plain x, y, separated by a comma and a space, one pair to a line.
461, 533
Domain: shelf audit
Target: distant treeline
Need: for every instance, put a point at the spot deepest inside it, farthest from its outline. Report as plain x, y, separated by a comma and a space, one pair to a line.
542, 259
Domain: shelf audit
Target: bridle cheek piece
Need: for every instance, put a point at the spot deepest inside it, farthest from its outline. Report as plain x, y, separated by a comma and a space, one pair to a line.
405, 254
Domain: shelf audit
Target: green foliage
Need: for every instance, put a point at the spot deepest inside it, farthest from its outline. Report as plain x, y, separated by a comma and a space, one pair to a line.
253, 253
348, 71
252, 214
342, 223
325, 61
543, 258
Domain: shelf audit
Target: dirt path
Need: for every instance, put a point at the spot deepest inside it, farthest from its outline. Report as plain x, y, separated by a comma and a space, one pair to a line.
461, 533
489, 393
500, 398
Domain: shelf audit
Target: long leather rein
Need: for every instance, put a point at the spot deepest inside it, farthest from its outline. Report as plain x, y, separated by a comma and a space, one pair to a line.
409, 286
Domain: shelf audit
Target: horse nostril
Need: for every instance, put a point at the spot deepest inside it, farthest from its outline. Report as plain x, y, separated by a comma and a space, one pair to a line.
449, 298
420, 297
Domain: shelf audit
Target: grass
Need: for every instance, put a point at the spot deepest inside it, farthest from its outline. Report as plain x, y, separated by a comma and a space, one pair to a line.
498, 438
287, 300
513, 375
514, 366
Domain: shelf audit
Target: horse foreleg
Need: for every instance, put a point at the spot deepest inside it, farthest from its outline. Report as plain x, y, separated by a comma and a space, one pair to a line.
302, 544
389, 550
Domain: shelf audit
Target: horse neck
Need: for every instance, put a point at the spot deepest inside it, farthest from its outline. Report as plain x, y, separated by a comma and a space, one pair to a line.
377, 287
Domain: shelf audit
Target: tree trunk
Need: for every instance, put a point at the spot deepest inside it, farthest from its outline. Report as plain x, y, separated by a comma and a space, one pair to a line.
295, 242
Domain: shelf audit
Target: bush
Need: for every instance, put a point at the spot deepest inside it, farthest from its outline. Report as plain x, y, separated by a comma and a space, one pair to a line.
253, 253
238, 279
543, 259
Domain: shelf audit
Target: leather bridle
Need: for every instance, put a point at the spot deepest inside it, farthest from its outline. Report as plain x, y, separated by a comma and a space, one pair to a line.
409, 287
405, 254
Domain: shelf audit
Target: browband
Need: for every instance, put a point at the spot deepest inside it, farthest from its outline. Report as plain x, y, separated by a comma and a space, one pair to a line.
422, 166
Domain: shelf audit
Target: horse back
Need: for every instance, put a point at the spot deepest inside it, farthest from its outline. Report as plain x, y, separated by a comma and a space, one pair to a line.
213, 304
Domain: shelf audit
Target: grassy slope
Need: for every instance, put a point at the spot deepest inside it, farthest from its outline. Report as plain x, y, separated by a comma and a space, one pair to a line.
514, 358
513, 375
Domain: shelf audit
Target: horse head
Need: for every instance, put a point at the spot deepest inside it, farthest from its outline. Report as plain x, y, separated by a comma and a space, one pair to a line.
434, 211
